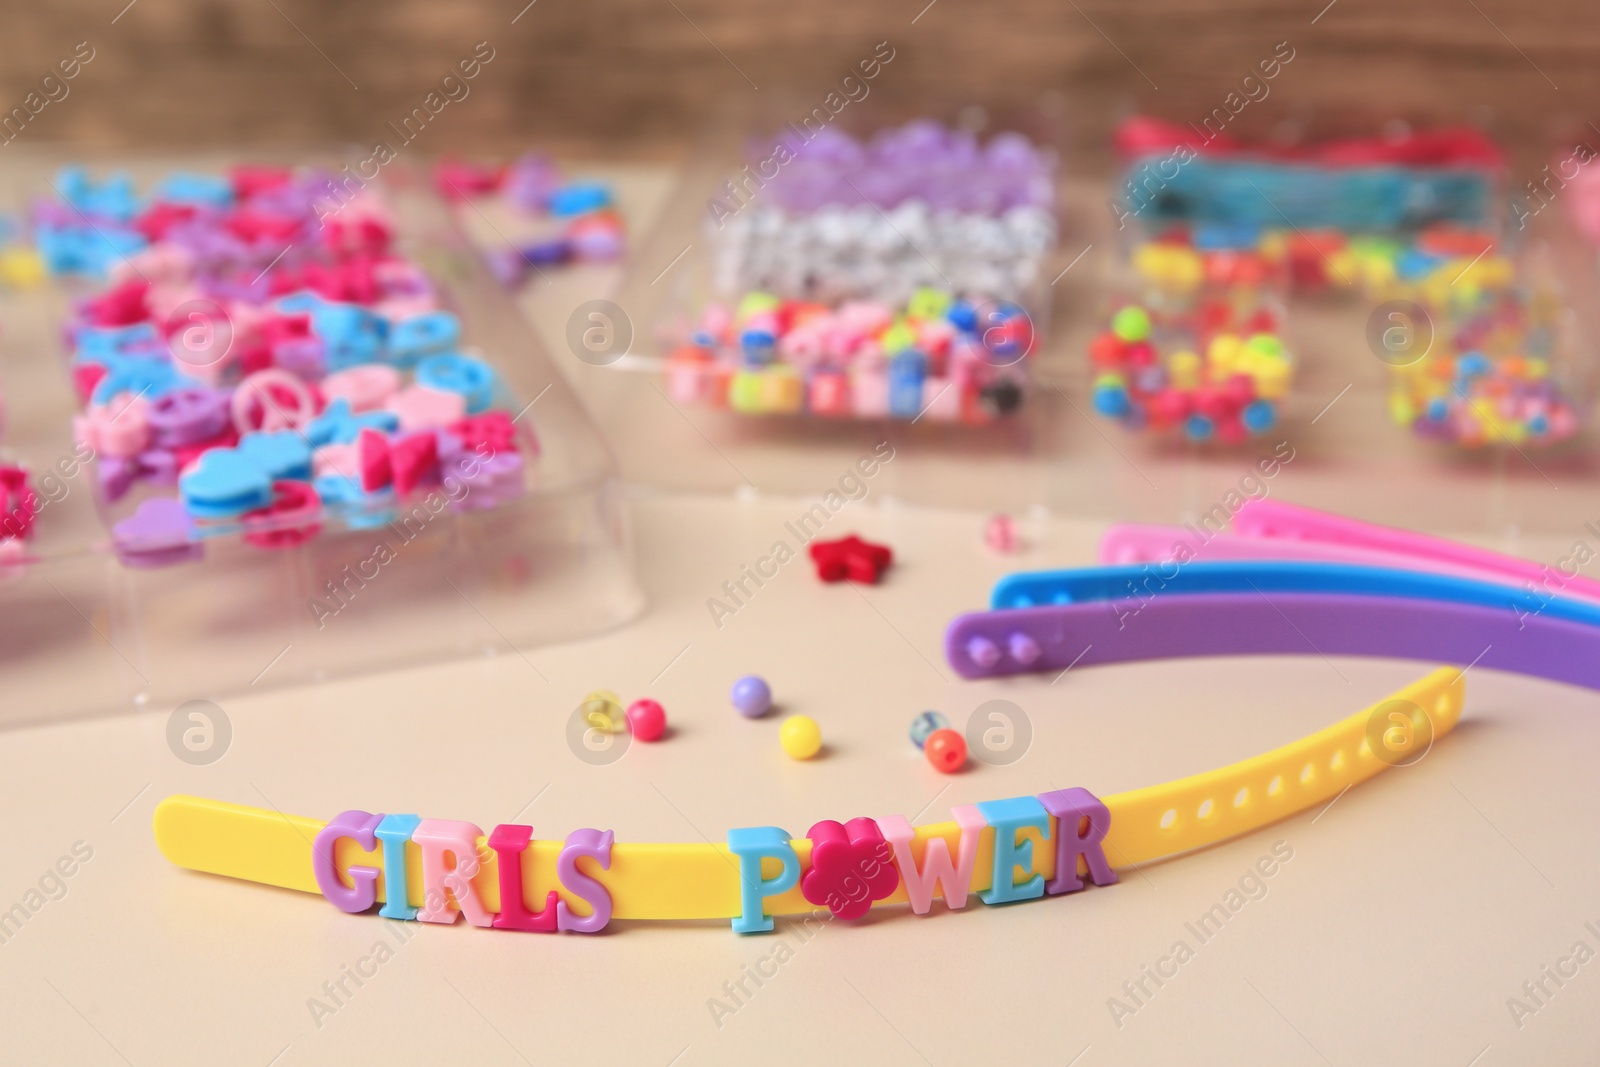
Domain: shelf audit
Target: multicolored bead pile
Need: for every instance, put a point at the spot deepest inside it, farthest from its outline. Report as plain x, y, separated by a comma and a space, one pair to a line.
1214, 375
889, 277
937, 358
578, 220
272, 358
1478, 367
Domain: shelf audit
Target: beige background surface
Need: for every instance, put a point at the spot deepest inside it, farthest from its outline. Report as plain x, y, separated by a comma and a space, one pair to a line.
1411, 910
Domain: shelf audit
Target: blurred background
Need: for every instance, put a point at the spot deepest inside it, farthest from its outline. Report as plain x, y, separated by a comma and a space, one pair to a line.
640, 77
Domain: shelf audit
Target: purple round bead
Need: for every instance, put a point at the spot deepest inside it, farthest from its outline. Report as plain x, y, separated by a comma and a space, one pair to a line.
752, 697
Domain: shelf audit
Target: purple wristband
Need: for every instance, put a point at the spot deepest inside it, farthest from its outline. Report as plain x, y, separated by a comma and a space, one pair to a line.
996, 643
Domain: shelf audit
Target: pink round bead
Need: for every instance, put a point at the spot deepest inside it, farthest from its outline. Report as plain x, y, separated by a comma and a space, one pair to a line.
1001, 534
647, 720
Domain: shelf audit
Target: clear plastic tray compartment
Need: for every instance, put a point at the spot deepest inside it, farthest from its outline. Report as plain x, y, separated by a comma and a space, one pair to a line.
926, 237
418, 579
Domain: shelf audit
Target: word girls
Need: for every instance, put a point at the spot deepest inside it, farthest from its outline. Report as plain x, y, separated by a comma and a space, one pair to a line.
851, 865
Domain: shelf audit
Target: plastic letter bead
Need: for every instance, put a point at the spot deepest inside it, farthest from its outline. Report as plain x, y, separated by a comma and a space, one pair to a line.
395, 832
595, 845
439, 838
946, 750
800, 737
925, 724
362, 892
1070, 808
510, 841
850, 867
752, 845
752, 697
647, 720
1011, 819
953, 879
745, 393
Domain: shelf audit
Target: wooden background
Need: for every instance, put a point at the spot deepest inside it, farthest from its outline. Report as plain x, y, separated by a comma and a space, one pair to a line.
637, 77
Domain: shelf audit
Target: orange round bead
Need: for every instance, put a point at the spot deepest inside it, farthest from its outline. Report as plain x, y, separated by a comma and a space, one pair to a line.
946, 750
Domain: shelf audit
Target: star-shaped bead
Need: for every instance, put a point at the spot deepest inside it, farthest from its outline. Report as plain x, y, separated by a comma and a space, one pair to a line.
852, 558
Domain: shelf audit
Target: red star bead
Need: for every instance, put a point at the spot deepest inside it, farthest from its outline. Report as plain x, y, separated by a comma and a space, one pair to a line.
852, 558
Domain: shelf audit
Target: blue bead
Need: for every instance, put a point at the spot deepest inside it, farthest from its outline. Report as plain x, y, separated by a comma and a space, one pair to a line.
97, 343
760, 347
963, 316
200, 190
1111, 401
455, 373
1199, 428
578, 198
1538, 424
423, 335
360, 511
1438, 409
1472, 365
925, 724
1259, 416
907, 370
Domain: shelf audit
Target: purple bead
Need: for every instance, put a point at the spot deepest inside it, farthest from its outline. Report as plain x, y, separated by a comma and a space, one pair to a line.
751, 696
507, 266
546, 253
188, 416
304, 357
116, 474
157, 533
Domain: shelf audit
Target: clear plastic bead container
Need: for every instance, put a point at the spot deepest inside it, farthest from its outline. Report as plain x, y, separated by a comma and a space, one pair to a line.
800, 263
549, 563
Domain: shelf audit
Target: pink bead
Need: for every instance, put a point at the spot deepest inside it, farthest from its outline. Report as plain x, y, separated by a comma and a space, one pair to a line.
120, 428
647, 720
343, 460
367, 387
422, 408
372, 448
1000, 534
271, 400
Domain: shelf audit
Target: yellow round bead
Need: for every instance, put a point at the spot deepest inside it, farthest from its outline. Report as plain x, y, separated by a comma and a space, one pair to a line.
602, 710
800, 737
1184, 369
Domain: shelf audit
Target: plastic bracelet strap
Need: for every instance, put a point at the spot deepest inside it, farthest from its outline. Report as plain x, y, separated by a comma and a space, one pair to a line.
1272, 519
1136, 586
1178, 622
701, 881
1129, 543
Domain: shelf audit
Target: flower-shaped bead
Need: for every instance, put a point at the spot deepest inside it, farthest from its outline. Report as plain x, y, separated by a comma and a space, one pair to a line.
851, 866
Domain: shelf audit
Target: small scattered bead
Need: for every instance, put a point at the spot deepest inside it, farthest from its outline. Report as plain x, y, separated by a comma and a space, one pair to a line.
800, 737
1000, 534
602, 709
946, 750
647, 720
751, 696
926, 724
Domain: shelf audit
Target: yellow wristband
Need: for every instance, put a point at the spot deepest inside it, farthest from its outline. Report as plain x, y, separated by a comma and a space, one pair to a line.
710, 881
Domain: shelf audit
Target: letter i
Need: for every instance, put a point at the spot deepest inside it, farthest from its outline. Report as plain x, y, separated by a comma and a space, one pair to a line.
395, 832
